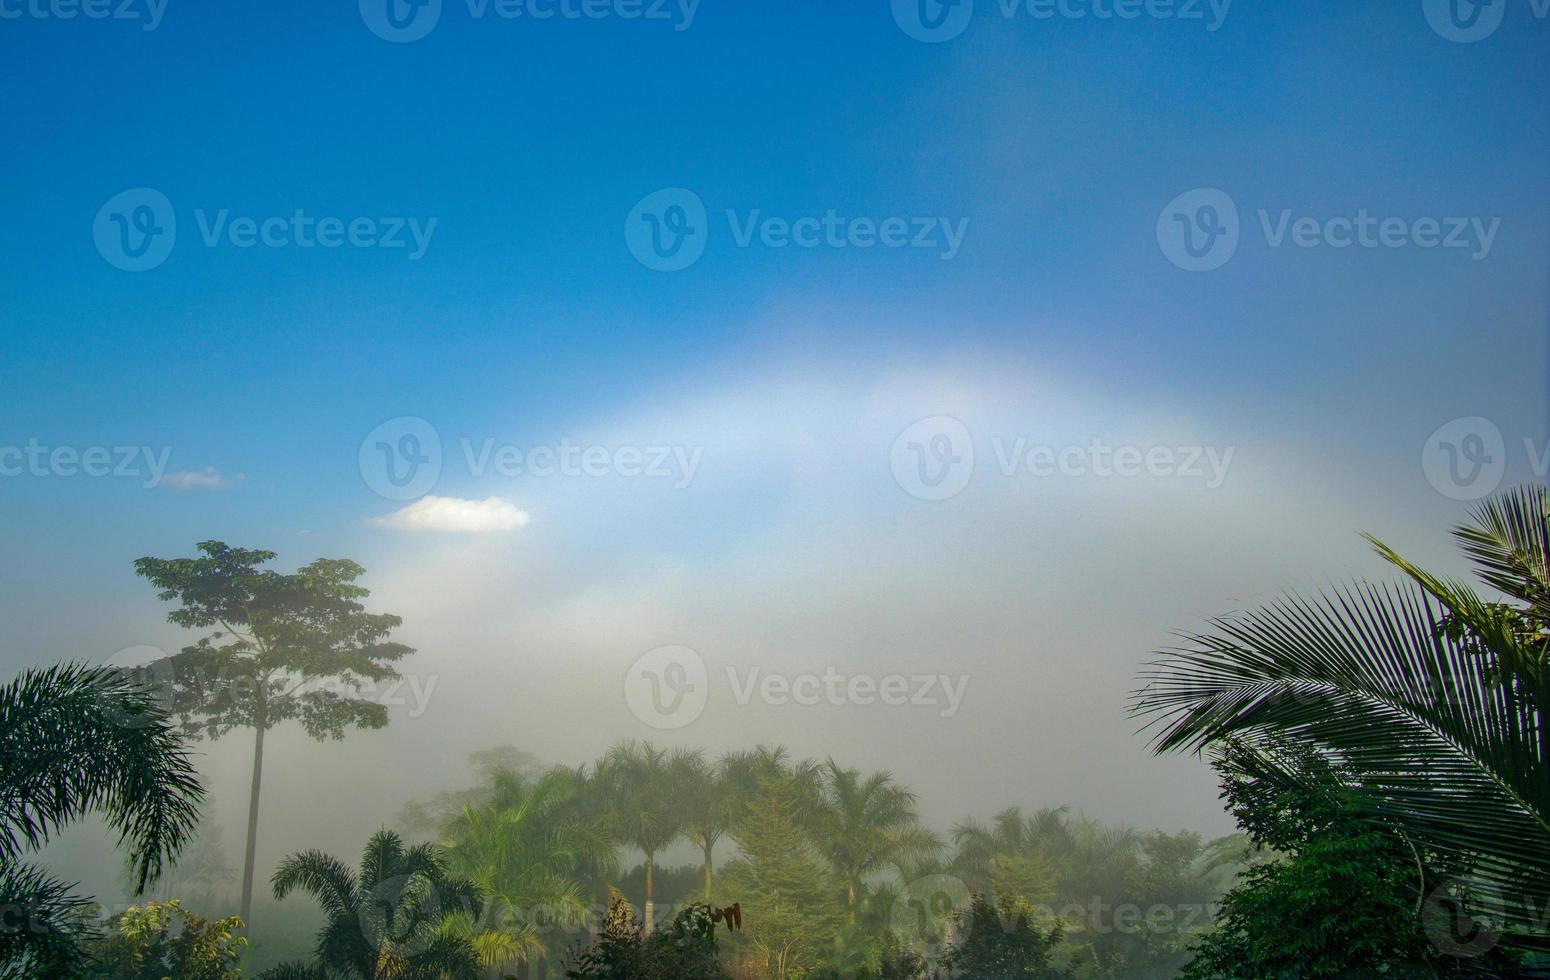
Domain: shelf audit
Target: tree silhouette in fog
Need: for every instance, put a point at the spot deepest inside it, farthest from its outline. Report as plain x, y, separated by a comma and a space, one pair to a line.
284, 647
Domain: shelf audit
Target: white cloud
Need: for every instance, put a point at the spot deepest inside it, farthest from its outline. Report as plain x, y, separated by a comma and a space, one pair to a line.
205, 479
450, 514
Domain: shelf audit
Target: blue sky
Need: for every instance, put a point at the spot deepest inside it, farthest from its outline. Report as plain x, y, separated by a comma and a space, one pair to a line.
528, 320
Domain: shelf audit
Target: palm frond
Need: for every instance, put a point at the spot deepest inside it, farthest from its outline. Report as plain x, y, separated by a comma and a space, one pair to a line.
1424, 694
57, 925
294, 971
327, 879
1509, 543
381, 858
76, 739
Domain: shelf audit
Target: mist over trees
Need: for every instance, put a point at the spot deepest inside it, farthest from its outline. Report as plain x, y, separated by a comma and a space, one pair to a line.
284, 648
1379, 747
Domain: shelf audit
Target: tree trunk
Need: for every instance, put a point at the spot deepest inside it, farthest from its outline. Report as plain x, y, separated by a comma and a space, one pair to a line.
247, 866
708, 873
600, 903
650, 909
850, 895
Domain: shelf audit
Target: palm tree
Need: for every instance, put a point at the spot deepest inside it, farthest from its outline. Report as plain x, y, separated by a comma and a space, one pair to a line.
1012, 845
716, 797
709, 808
596, 867
526, 850
1100, 860
743, 775
1047, 832
1430, 697
387, 921
76, 740
645, 784
862, 825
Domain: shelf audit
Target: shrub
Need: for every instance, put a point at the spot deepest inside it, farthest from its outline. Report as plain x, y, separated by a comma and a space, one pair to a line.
162, 939
684, 949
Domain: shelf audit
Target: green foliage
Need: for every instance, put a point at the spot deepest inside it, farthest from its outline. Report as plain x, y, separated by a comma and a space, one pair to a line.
1346, 902
889, 960
1000, 941
162, 939
648, 786
1426, 695
46, 928
525, 849
389, 919
895, 961
865, 824
806, 832
685, 949
644, 783
710, 805
76, 740
424, 819
283, 647
672, 886
202, 876
790, 897
1129, 904
1343, 907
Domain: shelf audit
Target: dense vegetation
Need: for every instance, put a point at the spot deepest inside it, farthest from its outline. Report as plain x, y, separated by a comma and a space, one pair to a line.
832, 868
1380, 748
1379, 723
